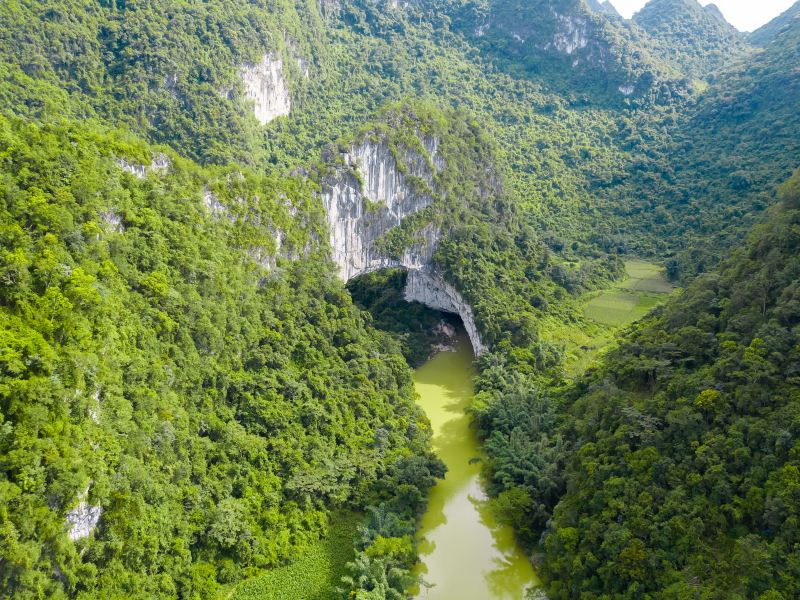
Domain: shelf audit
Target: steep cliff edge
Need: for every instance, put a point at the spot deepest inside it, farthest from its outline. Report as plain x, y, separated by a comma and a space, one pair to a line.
370, 197
266, 87
429, 288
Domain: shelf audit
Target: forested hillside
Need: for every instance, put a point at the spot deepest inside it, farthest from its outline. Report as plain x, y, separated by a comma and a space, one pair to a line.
569, 47
189, 394
684, 478
731, 151
670, 469
764, 35
697, 40
169, 70
157, 364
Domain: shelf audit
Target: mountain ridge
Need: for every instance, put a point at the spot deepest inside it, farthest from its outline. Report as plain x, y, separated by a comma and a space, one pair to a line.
690, 35
767, 33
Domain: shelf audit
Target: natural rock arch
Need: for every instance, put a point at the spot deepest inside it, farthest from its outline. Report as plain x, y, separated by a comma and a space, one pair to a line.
367, 196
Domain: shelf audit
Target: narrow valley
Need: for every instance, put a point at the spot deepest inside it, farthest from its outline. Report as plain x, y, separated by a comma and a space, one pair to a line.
465, 553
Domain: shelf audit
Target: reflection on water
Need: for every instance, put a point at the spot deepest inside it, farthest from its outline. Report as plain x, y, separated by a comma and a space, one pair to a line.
464, 553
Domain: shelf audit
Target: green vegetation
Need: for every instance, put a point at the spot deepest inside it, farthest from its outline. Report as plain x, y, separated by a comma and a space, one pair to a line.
176, 349
569, 48
217, 411
766, 34
697, 41
169, 71
416, 327
684, 481
617, 307
316, 575
727, 155
632, 298
644, 276
602, 314
670, 469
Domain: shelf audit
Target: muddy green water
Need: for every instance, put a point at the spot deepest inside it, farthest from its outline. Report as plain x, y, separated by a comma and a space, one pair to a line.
464, 553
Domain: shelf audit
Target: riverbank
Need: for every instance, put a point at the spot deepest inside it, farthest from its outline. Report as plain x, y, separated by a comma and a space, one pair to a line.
464, 552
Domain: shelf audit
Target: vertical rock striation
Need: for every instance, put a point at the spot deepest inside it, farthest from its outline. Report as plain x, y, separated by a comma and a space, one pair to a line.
265, 84
369, 195
83, 519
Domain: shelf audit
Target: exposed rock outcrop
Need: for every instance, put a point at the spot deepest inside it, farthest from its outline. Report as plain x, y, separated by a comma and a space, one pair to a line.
159, 165
113, 221
369, 195
83, 519
572, 34
265, 84
429, 288
213, 205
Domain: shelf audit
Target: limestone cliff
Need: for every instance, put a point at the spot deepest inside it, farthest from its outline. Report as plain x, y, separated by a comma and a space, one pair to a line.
266, 86
370, 194
159, 165
83, 519
429, 287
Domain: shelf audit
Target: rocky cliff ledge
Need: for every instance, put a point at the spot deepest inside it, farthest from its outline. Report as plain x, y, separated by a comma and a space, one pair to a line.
266, 86
429, 288
370, 194
83, 519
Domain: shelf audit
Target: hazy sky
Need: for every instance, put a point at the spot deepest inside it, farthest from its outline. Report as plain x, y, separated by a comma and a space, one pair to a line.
746, 15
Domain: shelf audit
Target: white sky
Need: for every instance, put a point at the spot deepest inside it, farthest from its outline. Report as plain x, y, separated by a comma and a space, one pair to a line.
745, 15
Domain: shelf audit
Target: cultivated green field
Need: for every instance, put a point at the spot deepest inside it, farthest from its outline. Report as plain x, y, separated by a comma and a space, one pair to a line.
314, 576
632, 298
644, 288
617, 308
645, 277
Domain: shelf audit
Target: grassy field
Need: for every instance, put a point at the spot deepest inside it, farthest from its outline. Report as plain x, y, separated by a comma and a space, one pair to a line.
632, 298
314, 576
617, 308
646, 277
644, 288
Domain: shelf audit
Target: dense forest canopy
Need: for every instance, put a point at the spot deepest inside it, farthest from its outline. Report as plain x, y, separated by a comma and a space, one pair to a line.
684, 480
216, 410
189, 394
695, 38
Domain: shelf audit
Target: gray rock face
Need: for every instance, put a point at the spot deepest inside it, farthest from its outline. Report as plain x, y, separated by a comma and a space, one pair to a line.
265, 84
113, 221
370, 195
214, 206
429, 288
158, 166
572, 34
83, 519
367, 198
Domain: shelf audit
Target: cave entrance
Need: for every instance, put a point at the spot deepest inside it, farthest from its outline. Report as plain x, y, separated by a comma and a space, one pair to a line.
421, 330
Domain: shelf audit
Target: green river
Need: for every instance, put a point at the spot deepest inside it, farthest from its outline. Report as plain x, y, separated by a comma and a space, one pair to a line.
464, 553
